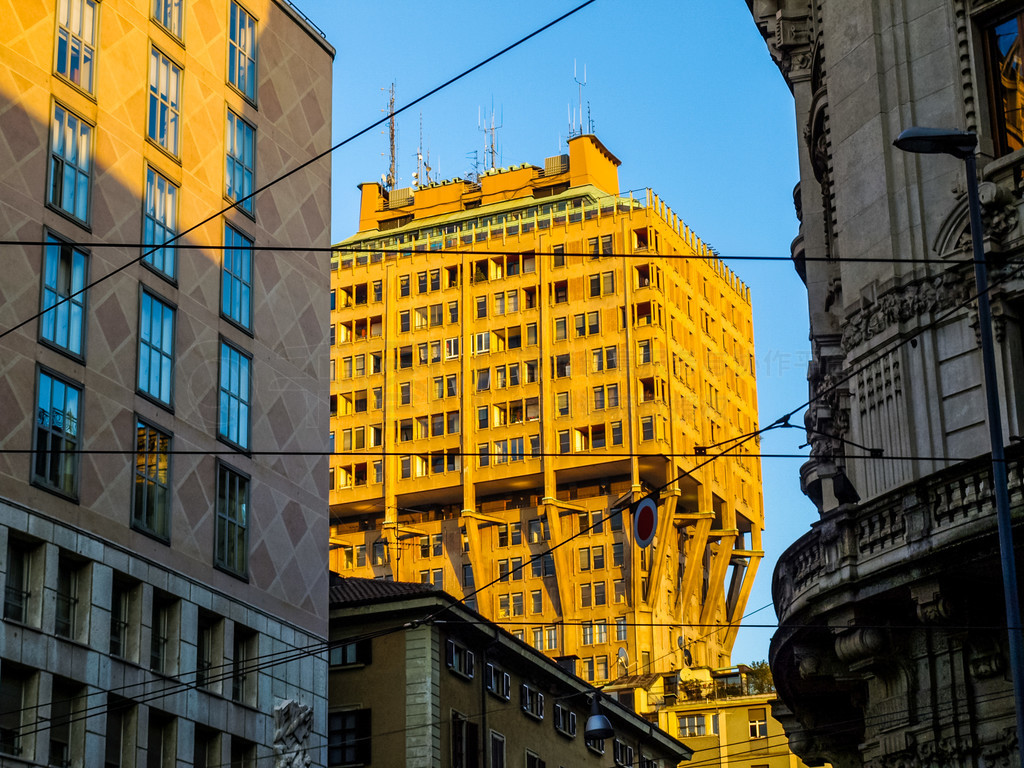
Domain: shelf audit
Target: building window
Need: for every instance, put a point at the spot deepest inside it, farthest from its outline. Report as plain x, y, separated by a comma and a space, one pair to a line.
622, 753
161, 749
561, 366
460, 659
357, 653
533, 761
168, 14
236, 278
348, 739
55, 458
242, 52
497, 750
531, 701
162, 650
152, 507
65, 272
231, 546
209, 647
646, 428
121, 595
67, 622
164, 101
76, 41
243, 753
70, 164
758, 722
16, 588
244, 664
691, 725
14, 704
156, 348
241, 162
464, 742
1007, 82
234, 395
160, 222
498, 683
67, 708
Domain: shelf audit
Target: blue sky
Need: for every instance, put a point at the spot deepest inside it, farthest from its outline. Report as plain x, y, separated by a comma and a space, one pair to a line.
683, 92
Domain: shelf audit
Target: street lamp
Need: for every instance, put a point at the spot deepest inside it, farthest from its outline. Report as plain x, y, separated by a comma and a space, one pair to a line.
961, 144
598, 725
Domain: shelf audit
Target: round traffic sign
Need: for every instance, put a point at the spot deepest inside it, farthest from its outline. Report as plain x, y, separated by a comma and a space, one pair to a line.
645, 521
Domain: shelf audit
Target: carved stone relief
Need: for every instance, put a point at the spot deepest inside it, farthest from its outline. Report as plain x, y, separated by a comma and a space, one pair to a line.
903, 303
292, 727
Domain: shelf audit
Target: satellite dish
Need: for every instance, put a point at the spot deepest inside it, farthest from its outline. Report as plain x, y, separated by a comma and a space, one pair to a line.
679, 641
687, 657
623, 658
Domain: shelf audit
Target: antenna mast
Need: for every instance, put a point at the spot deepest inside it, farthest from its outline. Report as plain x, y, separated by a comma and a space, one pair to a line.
491, 139
579, 88
389, 181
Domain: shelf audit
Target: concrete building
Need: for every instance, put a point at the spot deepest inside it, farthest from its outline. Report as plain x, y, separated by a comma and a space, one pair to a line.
514, 359
890, 649
418, 679
720, 714
161, 552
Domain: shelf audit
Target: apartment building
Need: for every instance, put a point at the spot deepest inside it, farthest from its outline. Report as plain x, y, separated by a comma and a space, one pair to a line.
418, 679
513, 360
160, 533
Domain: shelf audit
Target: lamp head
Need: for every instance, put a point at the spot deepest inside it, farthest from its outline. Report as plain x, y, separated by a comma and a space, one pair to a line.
937, 141
598, 726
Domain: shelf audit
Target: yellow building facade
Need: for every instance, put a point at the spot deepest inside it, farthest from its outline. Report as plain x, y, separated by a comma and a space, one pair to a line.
514, 360
153, 547
721, 716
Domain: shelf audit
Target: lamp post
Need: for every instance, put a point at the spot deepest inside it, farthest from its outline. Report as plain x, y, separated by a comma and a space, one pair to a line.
598, 725
961, 144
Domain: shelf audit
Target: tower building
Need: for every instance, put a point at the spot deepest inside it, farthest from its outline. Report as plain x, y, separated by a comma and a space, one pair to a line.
514, 359
161, 520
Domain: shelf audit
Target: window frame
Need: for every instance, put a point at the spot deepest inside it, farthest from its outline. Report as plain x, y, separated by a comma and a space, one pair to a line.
84, 134
163, 9
65, 302
225, 524
162, 532
224, 422
159, 188
992, 63
236, 48
165, 356
72, 35
236, 281
68, 456
346, 744
163, 109
246, 163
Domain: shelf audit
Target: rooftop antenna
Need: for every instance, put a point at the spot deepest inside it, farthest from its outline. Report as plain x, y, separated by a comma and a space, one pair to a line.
491, 138
423, 168
389, 180
474, 165
579, 88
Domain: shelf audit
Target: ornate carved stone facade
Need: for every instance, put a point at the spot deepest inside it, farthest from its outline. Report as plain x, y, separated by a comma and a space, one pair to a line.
890, 652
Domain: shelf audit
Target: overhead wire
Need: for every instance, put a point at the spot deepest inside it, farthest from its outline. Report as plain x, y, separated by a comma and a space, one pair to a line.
413, 253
